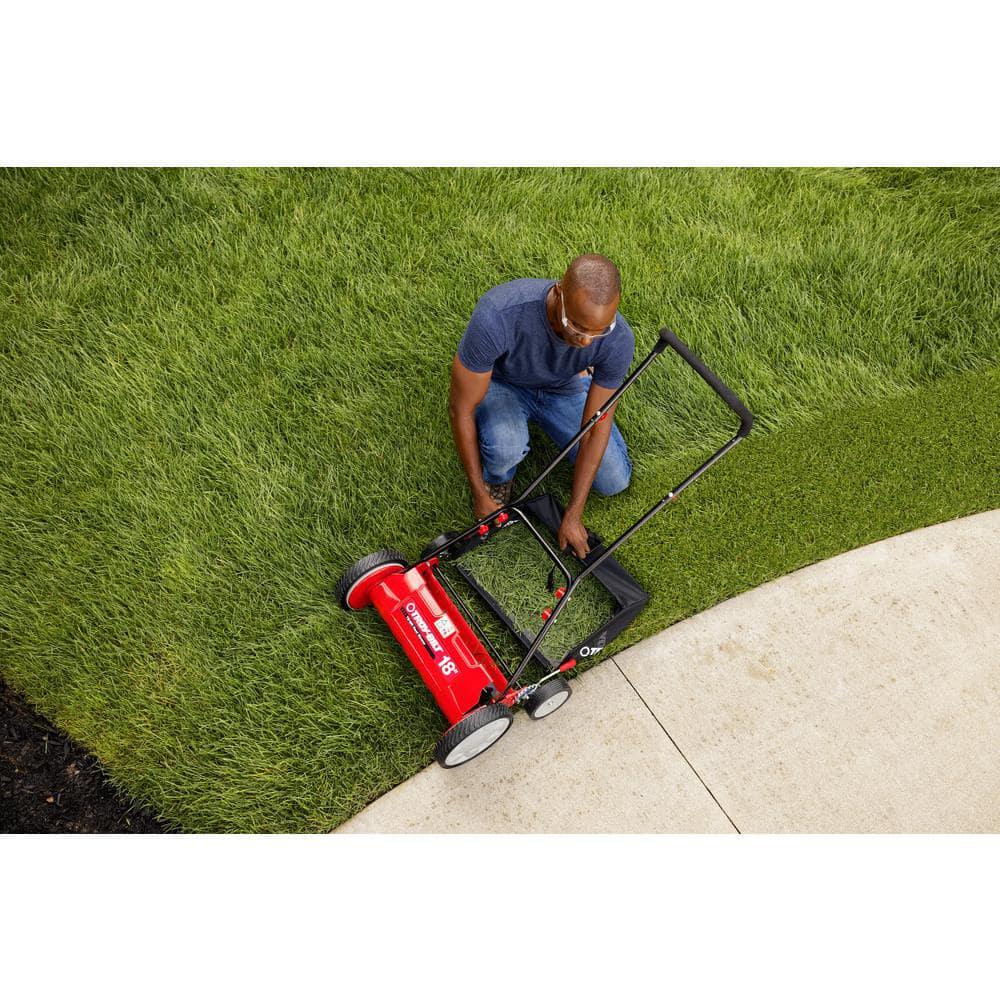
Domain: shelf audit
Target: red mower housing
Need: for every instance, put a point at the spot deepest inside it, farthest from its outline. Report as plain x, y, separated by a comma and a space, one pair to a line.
435, 637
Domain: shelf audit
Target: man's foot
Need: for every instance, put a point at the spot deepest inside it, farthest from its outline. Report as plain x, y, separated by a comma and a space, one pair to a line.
500, 492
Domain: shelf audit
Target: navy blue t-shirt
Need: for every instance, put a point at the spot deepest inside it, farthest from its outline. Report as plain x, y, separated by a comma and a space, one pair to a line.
509, 334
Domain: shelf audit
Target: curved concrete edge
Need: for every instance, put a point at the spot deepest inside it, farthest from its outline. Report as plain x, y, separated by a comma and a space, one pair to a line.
860, 694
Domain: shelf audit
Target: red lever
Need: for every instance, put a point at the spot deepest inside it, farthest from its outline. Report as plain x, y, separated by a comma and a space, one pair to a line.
501, 519
483, 530
568, 665
559, 593
546, 614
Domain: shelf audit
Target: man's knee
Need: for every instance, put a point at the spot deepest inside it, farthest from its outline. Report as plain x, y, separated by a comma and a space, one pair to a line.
612, 478
502, 454
609, 488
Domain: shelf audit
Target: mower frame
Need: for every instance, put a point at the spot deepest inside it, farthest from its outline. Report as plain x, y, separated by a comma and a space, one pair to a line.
667, 338
434, 625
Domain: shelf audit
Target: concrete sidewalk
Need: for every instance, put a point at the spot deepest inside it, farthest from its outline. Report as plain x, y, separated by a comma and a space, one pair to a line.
861, 695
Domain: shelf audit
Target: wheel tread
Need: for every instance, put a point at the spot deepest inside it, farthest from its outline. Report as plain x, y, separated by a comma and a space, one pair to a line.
466, 727
352, 574
548, 690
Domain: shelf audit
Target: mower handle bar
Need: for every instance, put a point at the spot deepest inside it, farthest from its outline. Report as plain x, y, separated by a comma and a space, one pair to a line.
668, 337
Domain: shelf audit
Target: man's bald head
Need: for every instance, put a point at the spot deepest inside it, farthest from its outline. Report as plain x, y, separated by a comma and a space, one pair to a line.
596, 276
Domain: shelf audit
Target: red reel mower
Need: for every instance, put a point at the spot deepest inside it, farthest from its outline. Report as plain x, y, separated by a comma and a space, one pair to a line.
434, 625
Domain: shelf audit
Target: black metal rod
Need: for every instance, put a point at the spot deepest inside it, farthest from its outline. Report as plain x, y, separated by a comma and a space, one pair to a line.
544, 543
655, 509
573, 581
666, 339
649, 359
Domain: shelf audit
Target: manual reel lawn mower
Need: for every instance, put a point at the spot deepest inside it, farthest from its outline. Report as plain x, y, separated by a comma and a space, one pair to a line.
475, 690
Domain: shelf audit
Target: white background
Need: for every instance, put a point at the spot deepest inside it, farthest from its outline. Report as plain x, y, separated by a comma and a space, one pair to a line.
621, 83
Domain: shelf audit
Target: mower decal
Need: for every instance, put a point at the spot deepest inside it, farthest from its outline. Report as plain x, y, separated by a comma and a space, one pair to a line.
594, 650
445, 626
430, 641
414, 617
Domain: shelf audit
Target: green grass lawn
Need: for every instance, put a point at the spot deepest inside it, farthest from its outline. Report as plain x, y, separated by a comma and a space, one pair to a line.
218, 388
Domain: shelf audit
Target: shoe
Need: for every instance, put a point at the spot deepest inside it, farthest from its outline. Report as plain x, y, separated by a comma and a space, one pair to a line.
500, 492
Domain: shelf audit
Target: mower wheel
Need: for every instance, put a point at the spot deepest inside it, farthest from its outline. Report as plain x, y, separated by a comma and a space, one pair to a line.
547, 698
440, 540
473, 735
356, 582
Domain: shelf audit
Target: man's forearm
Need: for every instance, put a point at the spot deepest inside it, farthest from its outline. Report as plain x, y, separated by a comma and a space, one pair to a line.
463, 429
588, 461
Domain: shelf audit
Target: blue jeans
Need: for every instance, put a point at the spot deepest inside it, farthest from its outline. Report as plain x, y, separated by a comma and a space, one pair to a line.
502, 421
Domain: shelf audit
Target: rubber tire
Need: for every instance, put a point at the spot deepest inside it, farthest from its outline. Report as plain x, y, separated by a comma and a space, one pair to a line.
535, 702
351, 575
464, 728
440, 540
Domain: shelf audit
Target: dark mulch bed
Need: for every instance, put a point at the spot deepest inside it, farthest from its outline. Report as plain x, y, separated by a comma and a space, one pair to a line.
49, 784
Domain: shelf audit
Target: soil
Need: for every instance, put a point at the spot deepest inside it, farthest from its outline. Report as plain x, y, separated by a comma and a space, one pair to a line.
49, 784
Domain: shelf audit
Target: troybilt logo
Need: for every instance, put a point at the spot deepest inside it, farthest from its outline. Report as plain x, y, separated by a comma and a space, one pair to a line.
594, 650
418, 619
435, 650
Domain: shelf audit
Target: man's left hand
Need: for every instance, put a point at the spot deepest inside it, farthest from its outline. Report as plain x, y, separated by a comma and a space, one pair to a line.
573, 533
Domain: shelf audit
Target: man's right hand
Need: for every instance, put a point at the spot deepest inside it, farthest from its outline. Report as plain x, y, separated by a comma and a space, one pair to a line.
483, 505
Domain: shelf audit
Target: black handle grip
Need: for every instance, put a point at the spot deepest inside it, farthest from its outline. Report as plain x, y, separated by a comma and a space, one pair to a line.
667, 336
